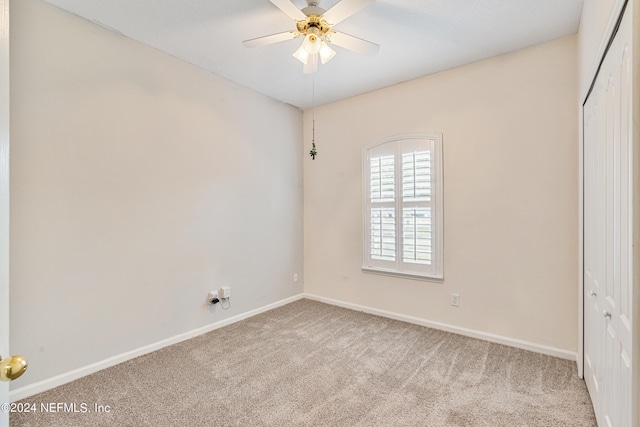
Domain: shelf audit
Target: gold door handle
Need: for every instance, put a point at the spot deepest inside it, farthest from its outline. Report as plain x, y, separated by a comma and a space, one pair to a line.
12, 367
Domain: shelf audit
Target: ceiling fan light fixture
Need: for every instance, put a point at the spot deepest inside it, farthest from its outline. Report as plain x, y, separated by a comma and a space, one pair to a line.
314, 25
301, 55
311, 43
326, 53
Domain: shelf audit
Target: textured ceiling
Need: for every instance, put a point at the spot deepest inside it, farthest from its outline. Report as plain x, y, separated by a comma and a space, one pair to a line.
416, 38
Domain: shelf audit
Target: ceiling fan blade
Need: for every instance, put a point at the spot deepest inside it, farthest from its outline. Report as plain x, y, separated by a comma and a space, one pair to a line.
290, 9
344, 9
354, 43
273, 38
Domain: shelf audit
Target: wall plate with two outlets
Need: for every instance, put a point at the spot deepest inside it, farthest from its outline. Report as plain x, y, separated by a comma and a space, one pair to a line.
455, 300
215, 297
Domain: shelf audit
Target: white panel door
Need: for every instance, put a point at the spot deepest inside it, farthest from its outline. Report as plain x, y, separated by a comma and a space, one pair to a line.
593, 237
607, 234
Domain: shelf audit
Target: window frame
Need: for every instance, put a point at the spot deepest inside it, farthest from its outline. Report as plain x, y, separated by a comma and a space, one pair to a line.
398, 267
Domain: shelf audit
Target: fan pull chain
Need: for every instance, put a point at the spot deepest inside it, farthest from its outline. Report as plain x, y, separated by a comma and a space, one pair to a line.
313, 153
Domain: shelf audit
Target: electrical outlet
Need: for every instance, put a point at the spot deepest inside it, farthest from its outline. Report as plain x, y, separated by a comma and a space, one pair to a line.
455, 300
224, 292
212, 297
295, 277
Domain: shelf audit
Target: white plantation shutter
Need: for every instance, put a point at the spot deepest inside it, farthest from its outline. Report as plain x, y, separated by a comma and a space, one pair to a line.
416, 214
383, 214
382, 178
416, 235
383, 234
403, 206
416, 175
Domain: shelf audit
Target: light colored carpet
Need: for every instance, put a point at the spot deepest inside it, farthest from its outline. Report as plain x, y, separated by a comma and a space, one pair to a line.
312, 364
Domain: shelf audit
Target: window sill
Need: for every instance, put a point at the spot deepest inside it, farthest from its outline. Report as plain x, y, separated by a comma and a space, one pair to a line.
404, 275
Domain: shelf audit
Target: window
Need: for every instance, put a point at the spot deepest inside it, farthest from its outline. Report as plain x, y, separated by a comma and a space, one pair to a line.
403, 206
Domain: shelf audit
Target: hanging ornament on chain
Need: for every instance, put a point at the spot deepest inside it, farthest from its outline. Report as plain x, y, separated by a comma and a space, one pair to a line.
313, 153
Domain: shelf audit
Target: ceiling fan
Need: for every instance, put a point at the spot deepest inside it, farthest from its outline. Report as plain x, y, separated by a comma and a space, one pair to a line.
315, 25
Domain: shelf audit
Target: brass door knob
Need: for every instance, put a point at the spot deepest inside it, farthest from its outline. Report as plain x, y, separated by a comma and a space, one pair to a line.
12, 367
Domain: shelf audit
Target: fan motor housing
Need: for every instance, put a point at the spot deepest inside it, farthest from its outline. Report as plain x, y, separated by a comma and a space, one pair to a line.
313, 21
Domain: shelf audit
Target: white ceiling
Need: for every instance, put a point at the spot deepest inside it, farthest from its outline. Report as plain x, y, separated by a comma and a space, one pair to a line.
416, 38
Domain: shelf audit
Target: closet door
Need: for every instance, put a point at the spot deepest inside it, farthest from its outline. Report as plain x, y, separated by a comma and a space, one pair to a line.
607, 234
594, 213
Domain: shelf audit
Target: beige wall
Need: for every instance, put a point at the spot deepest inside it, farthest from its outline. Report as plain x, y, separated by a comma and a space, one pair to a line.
138, 184
511, 195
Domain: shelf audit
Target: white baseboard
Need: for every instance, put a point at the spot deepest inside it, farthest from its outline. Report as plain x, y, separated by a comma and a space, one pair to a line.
498, 339
48, 384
